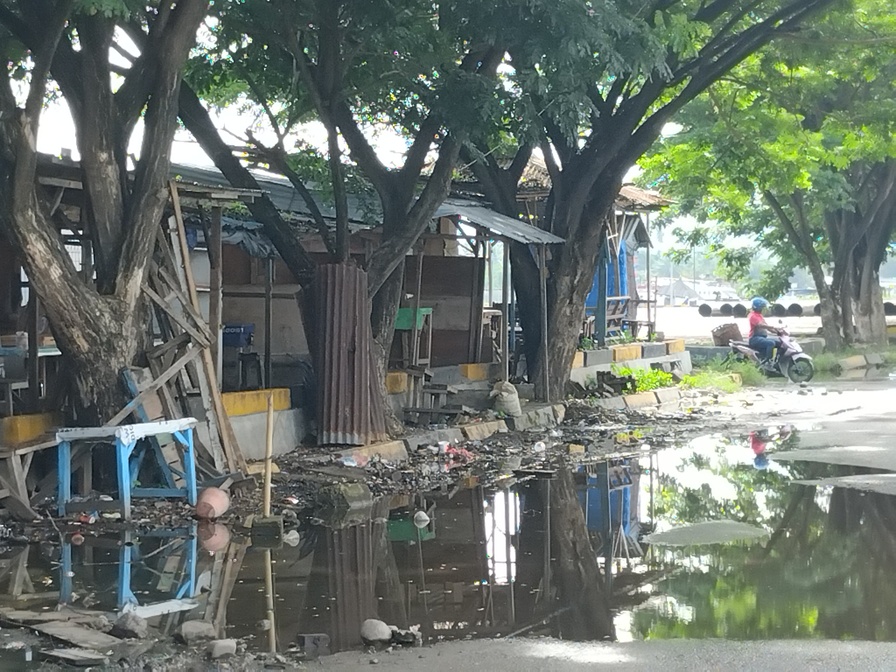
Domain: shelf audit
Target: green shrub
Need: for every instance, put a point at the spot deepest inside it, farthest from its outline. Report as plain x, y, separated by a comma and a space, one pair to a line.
646, 379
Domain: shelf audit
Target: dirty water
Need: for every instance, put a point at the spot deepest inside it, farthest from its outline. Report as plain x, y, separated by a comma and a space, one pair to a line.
495, 562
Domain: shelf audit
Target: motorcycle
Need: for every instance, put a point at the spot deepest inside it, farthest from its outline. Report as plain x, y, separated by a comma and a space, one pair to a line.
788, 360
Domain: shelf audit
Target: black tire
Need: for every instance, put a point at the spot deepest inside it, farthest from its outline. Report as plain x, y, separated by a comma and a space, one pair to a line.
800, 370
889, 308
739, 310
817, 309
795, 310
725, 310
705, 310
778, 310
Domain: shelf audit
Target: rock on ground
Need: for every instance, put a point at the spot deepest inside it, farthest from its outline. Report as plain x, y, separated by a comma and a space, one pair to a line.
221, 648
130, 626
374, 631
195, 631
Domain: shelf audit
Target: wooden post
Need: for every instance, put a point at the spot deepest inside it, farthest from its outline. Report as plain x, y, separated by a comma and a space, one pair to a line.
215, 287
649, 311
505, 311
543, 271
268, 457
269, 599
33, 348
268, 318
235, 459
415, 343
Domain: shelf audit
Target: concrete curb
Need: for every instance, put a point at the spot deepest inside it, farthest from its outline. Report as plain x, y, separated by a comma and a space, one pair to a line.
660, 397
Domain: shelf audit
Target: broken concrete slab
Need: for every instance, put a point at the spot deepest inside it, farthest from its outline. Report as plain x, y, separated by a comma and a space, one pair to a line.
651, 350
559, 413
640, 400
221, 648
854, 362
596, 357
390, 451
130, 626
874, 359
611, 403
667, 395
191, 632
538, 417
432, 437
479, 431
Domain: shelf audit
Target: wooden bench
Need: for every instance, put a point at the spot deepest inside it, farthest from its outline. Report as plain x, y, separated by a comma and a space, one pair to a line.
16, 465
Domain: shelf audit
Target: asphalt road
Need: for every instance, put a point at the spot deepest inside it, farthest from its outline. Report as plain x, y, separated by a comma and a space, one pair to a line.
668, 656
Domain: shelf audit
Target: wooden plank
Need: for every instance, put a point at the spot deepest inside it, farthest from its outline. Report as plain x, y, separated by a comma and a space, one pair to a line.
78, 635
187, 357
184, 324
235, 459
76, 657
215, 307
158, 406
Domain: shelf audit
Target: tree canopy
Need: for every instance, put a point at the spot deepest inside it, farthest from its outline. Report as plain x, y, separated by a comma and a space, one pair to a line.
795, 150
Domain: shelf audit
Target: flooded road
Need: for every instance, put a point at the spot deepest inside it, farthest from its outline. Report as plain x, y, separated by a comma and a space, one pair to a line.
609, 551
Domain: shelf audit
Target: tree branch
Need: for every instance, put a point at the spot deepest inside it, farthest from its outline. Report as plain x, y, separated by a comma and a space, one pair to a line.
284, 237
277, 159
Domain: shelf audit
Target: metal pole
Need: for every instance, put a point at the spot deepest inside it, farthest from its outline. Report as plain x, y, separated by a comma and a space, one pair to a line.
544, 323
268, 318
505, 310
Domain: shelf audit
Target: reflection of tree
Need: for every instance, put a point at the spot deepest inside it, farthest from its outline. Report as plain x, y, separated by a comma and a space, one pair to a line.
823, 572
579, 580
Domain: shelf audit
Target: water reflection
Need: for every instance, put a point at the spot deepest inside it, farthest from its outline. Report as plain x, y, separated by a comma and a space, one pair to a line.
561, 554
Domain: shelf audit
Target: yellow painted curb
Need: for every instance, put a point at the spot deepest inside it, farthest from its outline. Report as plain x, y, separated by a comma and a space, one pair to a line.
674, 346
255, 401
474, 371
578, 359
624, 353
18, 429
396, 382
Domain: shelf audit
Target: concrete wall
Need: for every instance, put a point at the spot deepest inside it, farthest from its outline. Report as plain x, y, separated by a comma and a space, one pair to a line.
290, 427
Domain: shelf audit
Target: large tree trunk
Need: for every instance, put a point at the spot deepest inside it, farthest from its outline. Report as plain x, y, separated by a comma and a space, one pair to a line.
831, 319
868, 305
571, 276
579, 579
384, 309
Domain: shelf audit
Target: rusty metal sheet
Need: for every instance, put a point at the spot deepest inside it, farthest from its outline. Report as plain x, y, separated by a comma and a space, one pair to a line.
350, 407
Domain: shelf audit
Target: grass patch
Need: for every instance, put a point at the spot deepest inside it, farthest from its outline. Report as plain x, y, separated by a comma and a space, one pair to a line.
724, 375
704, 379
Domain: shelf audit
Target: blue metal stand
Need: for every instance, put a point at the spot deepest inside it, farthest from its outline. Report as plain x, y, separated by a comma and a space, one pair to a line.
130, 451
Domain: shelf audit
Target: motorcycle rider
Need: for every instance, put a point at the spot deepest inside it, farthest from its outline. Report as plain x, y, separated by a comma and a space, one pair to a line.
759, 328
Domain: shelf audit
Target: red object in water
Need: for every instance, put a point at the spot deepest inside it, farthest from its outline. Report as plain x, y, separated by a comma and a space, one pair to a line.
212, 503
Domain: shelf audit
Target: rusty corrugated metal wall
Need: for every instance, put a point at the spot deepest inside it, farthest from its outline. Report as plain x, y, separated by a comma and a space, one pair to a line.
349, 407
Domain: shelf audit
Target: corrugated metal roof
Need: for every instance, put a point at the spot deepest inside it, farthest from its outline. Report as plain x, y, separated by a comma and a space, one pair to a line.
495, 222
365, 210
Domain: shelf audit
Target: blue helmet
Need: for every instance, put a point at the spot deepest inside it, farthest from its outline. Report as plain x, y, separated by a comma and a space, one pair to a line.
759, 303
760, 462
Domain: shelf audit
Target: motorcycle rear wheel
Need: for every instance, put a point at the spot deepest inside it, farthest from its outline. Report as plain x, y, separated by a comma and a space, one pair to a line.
800, 370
